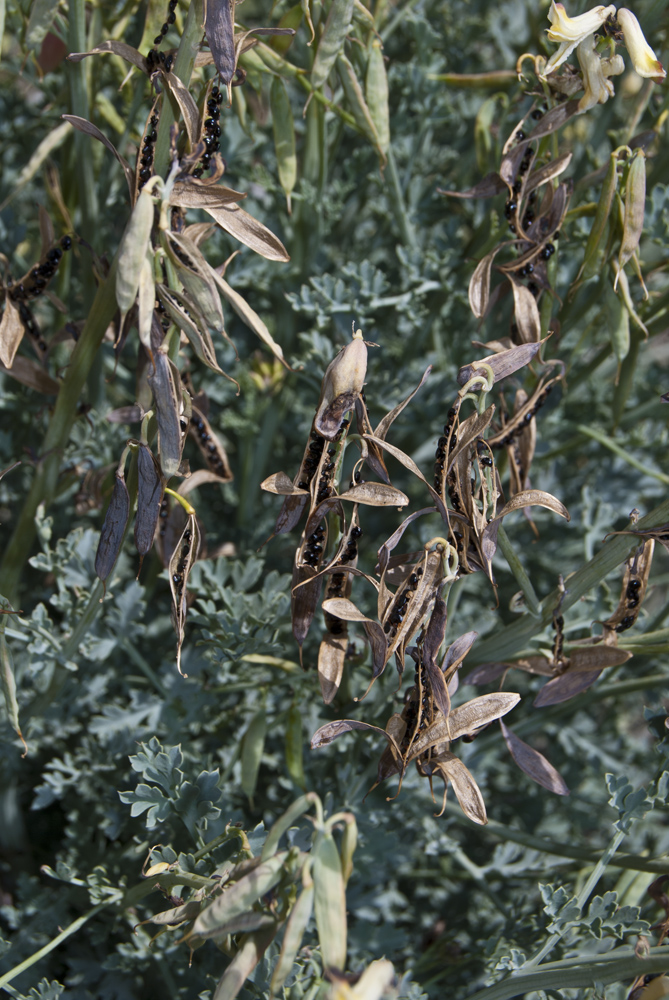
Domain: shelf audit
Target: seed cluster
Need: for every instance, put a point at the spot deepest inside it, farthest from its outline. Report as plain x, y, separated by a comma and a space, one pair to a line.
41, 274
177, 578
313, 550
210, 448
146, 157
400, 603
558, 642
212, 131
442, 444
632, 603
155, 59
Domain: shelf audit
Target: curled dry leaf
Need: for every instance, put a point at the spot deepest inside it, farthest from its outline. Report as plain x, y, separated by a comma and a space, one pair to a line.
282, 485
375, 495
194, 193
113, 47
187, 106
488, 187
250, 317
82, 125
526, 313
467, 792
238, 223
584, 667
534, 763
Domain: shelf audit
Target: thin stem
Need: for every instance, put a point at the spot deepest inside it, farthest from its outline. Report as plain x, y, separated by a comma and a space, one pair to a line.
581, 899
45, 481
621, 453
531, 600
397, 202
43, 952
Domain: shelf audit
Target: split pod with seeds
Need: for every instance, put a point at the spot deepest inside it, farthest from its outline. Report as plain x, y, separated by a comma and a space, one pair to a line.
180, 565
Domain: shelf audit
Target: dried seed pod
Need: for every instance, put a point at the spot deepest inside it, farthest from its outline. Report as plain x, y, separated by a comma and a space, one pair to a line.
523, 415
180, 565
634, 586
219, 30
150, 487
341, 386
113, 528
209, 444
11, 333
166, 388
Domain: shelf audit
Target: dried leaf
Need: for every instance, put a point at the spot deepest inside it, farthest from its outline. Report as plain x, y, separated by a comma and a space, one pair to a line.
532, 498
526, 313
249, 231
113, 47
195, 193
491, 185
187, 106
82, 125
467, 791
251, 318
342, 608
534, 763
305, 594
281, 484
331, 730
479, 284
386, 422
331, 658
564, 687
465, 719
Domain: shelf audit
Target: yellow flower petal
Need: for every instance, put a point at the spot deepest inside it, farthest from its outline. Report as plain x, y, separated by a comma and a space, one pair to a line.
644, 60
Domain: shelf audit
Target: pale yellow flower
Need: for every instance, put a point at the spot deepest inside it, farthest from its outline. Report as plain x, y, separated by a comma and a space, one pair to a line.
571, 31
598, 88
644, 60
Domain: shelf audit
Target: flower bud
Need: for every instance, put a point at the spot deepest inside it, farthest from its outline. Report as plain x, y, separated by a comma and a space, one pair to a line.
570, 31
644, 60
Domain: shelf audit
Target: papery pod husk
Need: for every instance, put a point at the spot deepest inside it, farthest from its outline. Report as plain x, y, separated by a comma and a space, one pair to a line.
331, 43
334, 645
150, 488
210, 446
283, 127
11, 333
635, 202
329, 902
450, 768
634, 586
180, 565
132, 252
503, 363
194, 274
342, 384
534, 763
187, 317
526, 313
581, 671
113, 529
166, 387
520, 451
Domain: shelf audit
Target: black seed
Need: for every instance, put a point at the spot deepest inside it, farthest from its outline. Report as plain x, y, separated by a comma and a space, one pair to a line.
520, 136
66, 243
537, 114
157, 40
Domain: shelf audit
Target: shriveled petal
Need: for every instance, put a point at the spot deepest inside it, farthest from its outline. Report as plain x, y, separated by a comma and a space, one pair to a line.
644, 60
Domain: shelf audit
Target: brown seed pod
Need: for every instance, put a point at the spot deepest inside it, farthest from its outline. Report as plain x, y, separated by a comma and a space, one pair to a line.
166, 386
634, 586
209, 444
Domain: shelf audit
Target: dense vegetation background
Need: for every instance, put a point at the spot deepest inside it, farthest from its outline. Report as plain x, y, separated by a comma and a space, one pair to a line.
452, 905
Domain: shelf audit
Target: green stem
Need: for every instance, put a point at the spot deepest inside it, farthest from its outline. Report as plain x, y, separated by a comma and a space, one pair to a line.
531, 600
612, 967
504, 644
551, 847
581, 899
43, 952
397, 202
621, 453
45, 480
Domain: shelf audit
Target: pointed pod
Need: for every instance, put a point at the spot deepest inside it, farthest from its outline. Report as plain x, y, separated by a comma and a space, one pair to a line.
150, 487
331, 43
253, 745
329, 902
300, 915
113, 529
342, 384
240, 897
11, 333
376, 92
165, 385
132, 252
635, 203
